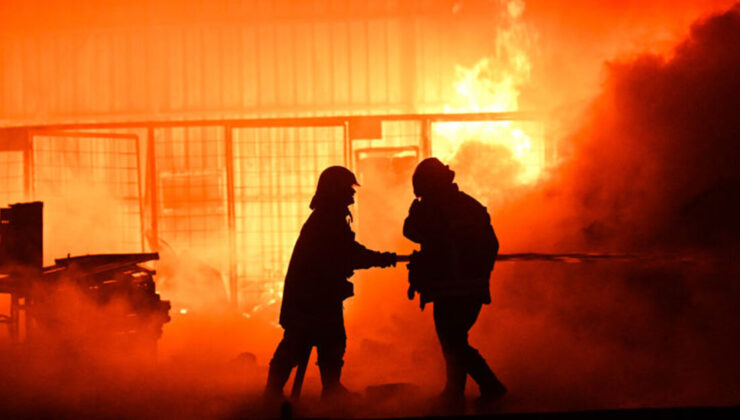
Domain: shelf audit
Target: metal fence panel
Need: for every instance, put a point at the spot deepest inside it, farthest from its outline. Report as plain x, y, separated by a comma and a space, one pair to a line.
87, 182
275, 174
191, 178
233, 194
11, 177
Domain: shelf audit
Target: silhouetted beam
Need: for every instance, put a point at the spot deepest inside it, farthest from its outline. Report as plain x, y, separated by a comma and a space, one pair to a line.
99, 259
91, 265
292, 122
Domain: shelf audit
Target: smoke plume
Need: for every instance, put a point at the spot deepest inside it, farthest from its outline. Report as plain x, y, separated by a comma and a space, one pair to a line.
651, 170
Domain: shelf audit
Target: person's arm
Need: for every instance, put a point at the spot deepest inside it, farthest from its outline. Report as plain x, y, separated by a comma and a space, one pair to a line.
361, 257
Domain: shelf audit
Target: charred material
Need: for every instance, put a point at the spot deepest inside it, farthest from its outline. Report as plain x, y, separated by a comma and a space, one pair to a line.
21, 256
102, 300
114, 296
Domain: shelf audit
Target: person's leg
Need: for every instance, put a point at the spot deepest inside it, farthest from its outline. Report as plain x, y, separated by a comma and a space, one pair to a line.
474, 364
330, 362
453, 338
287, 355
330, 347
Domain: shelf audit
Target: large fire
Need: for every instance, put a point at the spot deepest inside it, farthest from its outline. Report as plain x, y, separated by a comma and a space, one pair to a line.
493, 85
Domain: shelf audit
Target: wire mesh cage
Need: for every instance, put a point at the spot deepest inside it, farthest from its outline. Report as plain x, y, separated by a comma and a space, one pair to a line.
275, 173
11, 177
89, 180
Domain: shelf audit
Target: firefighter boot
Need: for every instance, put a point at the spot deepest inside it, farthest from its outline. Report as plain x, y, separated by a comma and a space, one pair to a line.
333, 390
276, 379
452, 399
491, 389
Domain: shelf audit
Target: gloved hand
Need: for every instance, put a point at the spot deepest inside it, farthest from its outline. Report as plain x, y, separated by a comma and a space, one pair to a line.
387, 259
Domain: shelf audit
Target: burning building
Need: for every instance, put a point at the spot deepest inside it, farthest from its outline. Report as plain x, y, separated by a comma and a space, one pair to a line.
205, 135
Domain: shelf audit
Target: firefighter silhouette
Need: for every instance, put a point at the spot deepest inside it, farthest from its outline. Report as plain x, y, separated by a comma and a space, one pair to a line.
452, 270
325, 256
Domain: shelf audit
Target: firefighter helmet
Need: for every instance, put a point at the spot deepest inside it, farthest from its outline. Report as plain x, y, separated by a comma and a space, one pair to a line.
334, 184
430, 176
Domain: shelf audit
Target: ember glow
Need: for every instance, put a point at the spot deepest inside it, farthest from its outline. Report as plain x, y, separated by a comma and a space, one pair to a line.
198, 130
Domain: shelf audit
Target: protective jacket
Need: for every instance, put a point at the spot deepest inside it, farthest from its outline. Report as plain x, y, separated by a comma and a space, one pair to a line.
325, 256
458, 247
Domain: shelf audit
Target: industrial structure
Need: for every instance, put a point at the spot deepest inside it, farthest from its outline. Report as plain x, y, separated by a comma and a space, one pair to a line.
205, 131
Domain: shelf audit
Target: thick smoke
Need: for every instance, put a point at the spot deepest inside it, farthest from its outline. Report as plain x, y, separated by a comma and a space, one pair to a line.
654, 166
661, 153
651, 171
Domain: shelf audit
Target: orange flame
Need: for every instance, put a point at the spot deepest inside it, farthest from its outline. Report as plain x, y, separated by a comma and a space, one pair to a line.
492, 85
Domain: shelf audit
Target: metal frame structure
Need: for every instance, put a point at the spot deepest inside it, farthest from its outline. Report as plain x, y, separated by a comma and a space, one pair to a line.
252, 56
23, 140
135, 138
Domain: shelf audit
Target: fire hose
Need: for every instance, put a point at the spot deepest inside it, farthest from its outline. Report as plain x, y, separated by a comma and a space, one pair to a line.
578, 257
